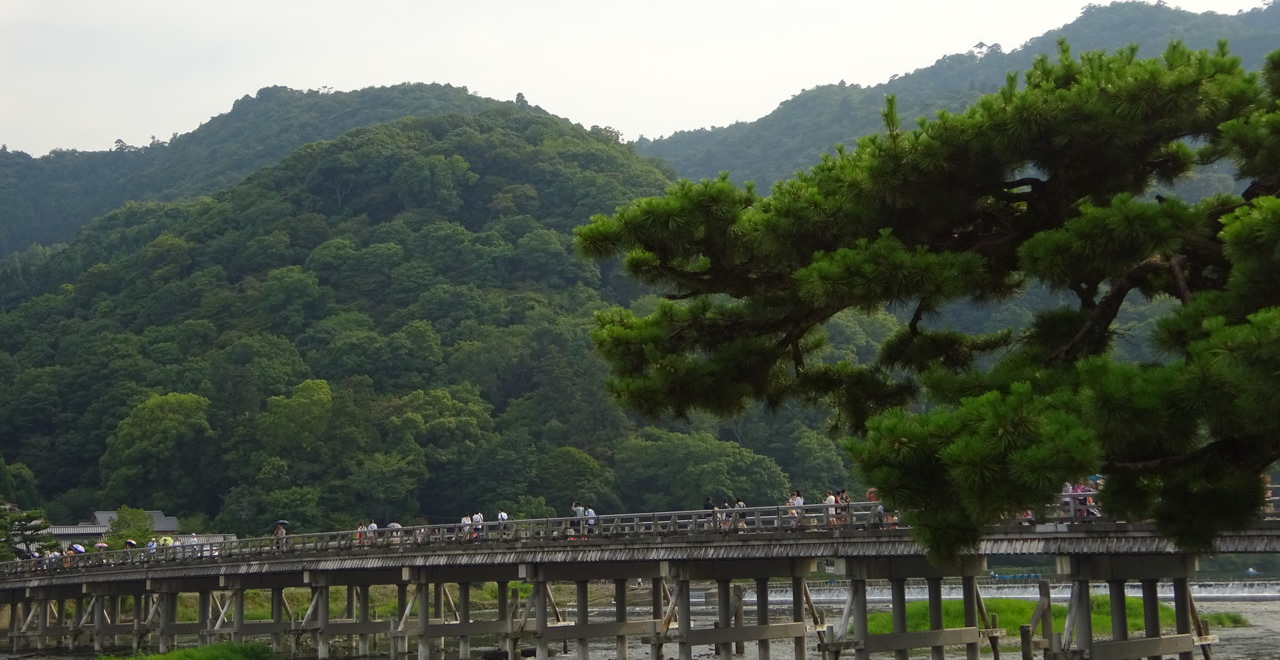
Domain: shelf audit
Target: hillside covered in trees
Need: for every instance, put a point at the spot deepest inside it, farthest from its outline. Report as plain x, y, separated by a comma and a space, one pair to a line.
816, 120
45, 200
390, 324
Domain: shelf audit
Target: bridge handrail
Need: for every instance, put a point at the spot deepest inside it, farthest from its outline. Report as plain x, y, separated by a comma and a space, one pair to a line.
1073, 508
565, 529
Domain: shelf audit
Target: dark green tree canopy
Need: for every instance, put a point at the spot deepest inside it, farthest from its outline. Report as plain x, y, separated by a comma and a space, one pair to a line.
1041, 183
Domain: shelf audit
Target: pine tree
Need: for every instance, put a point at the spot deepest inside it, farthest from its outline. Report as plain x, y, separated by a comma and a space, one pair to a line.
1042, 183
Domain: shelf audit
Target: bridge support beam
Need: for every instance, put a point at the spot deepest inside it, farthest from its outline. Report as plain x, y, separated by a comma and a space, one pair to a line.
1118, 570
762, 615
620, 616
897, 570
935, 614
583, 619
797, 614
464, 617
540, 618
362, 617
683, 615
237, 614
277, 618
657, 596
204, 604
168, 604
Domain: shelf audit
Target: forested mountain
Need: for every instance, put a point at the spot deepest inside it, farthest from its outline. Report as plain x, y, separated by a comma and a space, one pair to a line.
816, 120
390, 324
45, 200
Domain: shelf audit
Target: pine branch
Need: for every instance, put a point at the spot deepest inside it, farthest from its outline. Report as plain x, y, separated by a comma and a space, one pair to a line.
1249, 453
1180, 278
1088, 339
914, 325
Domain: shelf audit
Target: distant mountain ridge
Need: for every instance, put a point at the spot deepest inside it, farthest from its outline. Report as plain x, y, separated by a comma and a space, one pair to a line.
46, 200
816, 120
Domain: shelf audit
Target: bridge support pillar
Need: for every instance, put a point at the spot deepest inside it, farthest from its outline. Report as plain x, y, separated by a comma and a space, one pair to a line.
510, 643
657, 593
237, 614
1119, 613
540, 618
168, 611
76, 625
897, 570
620, 616
762, 615
277, 618
1151, 608
898, 608
684, 615
99, 612
583, 618
437, 609
1083, 616
935, 613
424, 619
42, 624
724, 617
362, 616
204, 604
1182, 611
139, 615
321, 634
464, 617
797, 613
15, 617
1116, 570
117, 608
401, 642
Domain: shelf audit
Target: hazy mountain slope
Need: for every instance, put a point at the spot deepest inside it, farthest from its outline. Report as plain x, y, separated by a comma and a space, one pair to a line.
791, 137
45, 200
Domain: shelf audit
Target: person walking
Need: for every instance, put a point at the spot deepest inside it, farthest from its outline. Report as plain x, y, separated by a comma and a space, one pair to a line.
578, 513
502, 522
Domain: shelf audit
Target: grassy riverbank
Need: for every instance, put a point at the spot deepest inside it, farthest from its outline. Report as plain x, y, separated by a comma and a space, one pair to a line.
214, 652
1013, 613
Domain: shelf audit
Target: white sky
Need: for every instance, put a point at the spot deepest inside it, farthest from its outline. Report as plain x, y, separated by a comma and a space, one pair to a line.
78, 74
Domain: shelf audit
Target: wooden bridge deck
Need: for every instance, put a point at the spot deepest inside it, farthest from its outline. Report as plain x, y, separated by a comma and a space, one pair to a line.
756, 534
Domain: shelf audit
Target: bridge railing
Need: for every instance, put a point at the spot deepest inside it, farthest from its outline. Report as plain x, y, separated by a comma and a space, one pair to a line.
636, 526
1072, 508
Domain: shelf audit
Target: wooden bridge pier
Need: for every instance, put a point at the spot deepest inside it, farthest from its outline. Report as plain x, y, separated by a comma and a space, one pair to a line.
853, 635
725, 636
1077, 639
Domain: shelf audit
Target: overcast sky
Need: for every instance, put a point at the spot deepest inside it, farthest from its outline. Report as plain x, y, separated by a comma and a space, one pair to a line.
78, 74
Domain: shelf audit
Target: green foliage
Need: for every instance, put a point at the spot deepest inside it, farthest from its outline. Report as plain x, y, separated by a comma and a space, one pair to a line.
53, 195
391, 325
1227, 620
23, 533
708, 468
129, 524
212, 652
1041, 183
1013, 613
